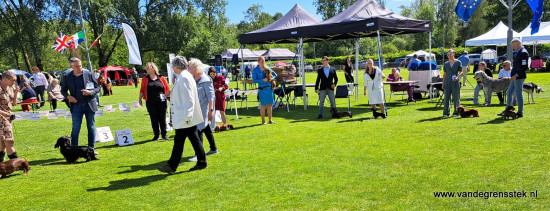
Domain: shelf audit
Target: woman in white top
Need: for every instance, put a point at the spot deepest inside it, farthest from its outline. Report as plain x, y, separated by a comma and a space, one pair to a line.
372, 80
186, 115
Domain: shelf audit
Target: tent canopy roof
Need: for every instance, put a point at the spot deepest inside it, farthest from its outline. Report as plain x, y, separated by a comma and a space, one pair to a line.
363, 19
284, 30
279, 53
496, 36
248, 54
541, 37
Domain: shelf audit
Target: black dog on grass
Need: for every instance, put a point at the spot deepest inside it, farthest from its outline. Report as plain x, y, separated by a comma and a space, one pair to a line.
72, 153
339, 114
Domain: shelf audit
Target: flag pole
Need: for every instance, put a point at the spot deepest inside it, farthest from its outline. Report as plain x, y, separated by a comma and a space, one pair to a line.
85, 39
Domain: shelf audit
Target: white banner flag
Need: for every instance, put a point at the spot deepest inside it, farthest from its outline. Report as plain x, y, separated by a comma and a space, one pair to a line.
131, 40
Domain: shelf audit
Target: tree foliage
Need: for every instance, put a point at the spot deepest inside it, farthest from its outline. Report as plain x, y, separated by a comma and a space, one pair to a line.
200, 29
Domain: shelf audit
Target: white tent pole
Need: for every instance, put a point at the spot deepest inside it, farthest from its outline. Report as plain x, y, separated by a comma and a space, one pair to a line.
381, 65
356, 68
304, 93
430, 63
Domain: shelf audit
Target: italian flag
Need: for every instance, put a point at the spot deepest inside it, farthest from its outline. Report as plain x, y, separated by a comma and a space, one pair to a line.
76, 39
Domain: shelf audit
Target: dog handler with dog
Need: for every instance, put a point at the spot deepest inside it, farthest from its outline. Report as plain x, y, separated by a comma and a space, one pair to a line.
451, 84
8, 97
520, 66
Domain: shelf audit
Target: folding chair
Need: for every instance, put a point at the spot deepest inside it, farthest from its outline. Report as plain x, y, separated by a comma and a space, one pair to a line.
299, 92
342, 92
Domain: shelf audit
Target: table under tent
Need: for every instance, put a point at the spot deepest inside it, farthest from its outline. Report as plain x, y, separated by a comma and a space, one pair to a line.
365, 18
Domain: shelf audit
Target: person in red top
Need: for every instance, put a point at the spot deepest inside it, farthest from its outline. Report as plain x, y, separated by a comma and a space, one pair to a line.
155, 90
219, 90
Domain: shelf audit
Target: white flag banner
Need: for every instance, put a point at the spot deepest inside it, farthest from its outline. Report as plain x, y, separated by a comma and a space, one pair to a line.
131, 40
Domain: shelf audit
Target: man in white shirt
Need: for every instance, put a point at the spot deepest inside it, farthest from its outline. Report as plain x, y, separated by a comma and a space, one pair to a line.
41, 83
504, 73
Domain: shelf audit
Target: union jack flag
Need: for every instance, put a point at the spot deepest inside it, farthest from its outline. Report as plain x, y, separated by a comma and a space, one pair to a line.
60, 44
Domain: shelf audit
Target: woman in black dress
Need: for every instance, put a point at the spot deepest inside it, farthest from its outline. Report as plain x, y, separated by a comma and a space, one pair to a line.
348, 69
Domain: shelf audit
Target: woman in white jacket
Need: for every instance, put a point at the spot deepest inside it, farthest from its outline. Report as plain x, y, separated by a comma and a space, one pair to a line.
186, 115
372, 80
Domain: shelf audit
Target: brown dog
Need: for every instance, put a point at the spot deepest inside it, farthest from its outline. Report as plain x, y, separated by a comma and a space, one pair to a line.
12, 165
223, 127
467, 112
107, 90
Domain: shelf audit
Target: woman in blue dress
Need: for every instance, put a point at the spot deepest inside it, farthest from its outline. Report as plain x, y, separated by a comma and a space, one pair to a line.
263, 75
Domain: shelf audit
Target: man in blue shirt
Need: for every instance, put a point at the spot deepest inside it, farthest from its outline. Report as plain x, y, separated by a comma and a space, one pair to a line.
465, 60
413, 64
519, 68
83, 88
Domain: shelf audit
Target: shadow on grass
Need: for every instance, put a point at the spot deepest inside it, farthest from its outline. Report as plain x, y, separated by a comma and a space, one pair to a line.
498, 120
430, 109
64, 162
135, 168
355, 120
135, 143
44, 162
432, 119
248, 126
131, 183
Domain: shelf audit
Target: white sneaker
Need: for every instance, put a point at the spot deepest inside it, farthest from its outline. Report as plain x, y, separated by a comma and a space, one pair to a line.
212, 152
95, 152
193, 159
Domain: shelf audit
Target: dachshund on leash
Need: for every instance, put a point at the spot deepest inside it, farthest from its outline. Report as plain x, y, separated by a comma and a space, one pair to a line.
339, 114
467, 112
13, 165
72, 153
223, 127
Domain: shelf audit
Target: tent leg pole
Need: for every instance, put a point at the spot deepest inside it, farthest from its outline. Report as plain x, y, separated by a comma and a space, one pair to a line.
356, 69
304, 93
381, 65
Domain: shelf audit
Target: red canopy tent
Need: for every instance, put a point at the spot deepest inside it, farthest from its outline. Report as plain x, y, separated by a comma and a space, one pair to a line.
120, 75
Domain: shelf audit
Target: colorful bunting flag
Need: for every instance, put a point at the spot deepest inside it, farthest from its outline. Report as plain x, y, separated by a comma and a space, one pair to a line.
76, 39
61, 43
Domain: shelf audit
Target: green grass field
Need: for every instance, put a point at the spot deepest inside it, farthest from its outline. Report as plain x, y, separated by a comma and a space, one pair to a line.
299, 163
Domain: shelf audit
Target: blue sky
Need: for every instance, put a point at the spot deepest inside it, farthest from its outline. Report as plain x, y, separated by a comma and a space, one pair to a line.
235, 8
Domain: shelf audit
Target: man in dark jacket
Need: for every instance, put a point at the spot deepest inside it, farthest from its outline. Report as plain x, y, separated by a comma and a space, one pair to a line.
327, 80
83, 87
518, 76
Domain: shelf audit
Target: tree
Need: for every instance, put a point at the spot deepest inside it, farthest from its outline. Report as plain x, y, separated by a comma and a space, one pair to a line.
445, 26
329, 8
24, 18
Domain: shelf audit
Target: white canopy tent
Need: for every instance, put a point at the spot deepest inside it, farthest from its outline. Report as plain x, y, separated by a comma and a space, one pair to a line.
541, 37
421, 53
245, 54
496, 36
489, 54
259, 52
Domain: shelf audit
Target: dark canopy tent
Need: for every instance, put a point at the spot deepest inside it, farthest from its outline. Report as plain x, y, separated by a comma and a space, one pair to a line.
365, 18
284, 30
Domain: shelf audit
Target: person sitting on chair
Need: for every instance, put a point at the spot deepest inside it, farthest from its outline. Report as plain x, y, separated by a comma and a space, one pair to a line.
394, 77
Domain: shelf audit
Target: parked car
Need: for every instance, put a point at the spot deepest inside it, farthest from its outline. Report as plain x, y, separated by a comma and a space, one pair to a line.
474, 58
363, 64
308, 68
398, 62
